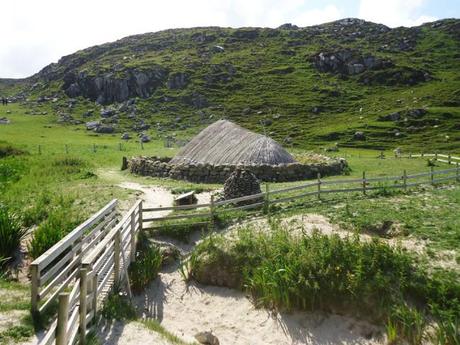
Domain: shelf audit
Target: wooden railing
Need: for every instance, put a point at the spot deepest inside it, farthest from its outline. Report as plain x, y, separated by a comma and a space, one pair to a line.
56, 269
100, 268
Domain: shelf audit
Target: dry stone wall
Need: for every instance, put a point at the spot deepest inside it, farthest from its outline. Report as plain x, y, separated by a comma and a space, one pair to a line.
206, 173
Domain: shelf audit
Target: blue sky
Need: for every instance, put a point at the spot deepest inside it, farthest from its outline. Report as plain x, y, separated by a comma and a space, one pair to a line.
36, 33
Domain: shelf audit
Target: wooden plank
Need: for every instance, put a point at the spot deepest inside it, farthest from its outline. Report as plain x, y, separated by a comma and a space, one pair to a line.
55, 294
105, 279
100, 227
290, 198
175, 208
96, 240
50, 335
70, 238
91, 256
104, 257
55, 269
242, 198
58, 278
445, 179
356, 180
181, 216
293, 188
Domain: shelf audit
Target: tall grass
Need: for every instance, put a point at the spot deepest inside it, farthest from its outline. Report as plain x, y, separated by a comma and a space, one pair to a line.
11, 232
146, 266
54, 228
363, 278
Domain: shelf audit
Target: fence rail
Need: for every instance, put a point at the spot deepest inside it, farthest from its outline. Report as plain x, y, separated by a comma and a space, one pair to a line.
317, 188
99, 267
56, 269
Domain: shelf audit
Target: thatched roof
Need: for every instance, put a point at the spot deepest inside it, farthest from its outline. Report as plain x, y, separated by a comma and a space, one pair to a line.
225, 143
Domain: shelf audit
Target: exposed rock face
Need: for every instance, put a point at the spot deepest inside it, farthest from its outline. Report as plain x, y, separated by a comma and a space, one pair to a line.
178, 80
240, 183
109, 88
348, 62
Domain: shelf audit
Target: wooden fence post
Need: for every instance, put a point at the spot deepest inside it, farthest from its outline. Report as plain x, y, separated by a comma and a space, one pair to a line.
436, 156
35, 282
405, 179
319, 185
432, 174
422, 155
449, 159
140, 219
458, 172
133, 237
94, 301
267, 200
211, 206
116, 257
62, 319
364, 182
83, 299
410, 155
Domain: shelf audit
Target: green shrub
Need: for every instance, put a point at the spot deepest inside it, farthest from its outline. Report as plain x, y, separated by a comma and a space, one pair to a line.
55, 227
146, 266
405, 323
117, 306
447, 329
11, 232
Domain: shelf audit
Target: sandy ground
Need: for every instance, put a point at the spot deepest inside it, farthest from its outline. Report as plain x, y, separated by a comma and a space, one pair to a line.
188, 309
130, 334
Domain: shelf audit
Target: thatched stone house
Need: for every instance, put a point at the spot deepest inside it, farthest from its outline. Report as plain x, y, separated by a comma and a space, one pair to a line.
219, 149
225, 143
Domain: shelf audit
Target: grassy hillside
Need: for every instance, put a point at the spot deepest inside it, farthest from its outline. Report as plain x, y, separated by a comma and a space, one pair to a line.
269, 80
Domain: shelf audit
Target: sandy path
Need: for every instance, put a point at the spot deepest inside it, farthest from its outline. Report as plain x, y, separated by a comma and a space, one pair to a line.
186, 310
132, 333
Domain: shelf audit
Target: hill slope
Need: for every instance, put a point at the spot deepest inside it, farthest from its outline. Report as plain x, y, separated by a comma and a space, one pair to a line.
354, 82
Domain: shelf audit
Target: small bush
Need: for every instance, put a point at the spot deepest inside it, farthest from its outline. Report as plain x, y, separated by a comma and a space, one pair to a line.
11, 232
8, 150
147, 264
49, 232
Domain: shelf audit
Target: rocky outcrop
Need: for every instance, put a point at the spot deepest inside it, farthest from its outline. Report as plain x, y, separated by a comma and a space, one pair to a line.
114, 87
178, 80
348, 62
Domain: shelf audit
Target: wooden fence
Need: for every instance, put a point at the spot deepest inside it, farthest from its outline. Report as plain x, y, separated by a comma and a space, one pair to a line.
99, 268
316, 188
56, 269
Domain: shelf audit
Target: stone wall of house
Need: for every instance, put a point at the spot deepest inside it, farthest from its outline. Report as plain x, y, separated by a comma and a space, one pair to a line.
206, 173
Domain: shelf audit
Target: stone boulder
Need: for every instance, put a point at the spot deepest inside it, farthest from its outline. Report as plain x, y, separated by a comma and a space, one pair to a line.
241, 183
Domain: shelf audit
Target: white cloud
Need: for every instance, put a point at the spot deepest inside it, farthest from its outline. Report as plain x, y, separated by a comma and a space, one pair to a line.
318, 16
394, 12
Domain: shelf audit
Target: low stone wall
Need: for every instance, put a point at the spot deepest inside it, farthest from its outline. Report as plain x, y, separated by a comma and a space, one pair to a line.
206, 173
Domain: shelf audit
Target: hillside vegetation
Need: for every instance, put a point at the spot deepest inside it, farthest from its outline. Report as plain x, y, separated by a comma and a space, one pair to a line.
353, 82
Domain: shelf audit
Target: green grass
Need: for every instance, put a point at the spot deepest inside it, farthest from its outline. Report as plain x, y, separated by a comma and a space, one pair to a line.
11, 232
155, 326
146, 266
